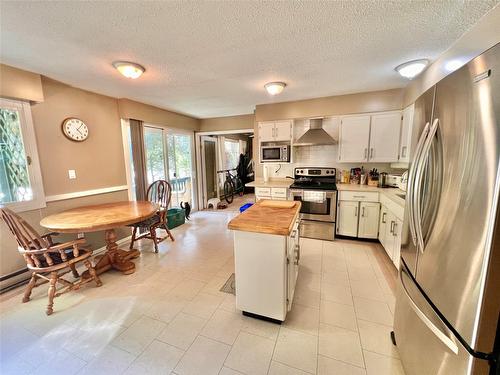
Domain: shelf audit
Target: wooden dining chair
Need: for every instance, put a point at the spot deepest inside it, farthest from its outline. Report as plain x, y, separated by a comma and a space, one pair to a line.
159, 192
48, 260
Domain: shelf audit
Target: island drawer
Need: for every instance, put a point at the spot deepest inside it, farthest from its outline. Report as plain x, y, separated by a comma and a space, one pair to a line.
278, 192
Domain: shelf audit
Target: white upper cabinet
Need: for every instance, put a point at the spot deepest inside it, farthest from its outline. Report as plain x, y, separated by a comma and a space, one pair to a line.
370, 138
406, 134
274, 131
283, 130
354, 137
384, 137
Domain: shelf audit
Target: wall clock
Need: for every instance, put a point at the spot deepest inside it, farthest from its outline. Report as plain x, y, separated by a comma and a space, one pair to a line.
75, 129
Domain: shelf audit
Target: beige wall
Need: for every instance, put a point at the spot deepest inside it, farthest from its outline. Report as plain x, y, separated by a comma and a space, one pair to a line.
373, 101
58, 154
227, 123
20, 84
131, 109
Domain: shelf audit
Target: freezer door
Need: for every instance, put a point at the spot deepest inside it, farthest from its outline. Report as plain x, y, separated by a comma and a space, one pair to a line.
458, 184
421, 124
424, 343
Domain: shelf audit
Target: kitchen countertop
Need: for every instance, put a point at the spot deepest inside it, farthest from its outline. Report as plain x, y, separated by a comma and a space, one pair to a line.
270, 220
391, 193
278, 182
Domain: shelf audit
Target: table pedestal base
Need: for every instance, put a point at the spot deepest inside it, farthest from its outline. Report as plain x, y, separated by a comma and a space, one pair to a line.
115, 257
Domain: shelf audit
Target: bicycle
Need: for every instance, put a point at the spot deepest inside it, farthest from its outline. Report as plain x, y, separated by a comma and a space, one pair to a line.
232, 185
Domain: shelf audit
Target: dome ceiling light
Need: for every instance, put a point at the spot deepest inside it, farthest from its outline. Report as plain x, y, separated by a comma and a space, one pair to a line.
411, 69
275, 88
129, 69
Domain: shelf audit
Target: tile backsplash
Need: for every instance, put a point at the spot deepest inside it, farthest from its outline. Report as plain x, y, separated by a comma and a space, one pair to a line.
319, 156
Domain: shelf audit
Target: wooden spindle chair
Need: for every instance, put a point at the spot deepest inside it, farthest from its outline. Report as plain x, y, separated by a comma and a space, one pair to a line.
159, 192
48, 260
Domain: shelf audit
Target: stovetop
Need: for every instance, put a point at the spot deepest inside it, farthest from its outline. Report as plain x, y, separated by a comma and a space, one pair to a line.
314, 186
319, 178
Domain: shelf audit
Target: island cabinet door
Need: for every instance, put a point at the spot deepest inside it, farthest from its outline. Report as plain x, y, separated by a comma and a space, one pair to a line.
293, 257
347, 218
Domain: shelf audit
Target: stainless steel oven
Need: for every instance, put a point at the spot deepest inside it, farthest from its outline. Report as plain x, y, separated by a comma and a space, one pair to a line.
317, 213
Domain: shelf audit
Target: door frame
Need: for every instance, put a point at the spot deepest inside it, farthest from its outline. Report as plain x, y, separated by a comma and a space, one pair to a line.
203, 197
197, 136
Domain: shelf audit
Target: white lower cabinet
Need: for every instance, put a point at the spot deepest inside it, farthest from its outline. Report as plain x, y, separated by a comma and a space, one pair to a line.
347, 218
390, 234
274, 193
358, 219
266, 270
369, 213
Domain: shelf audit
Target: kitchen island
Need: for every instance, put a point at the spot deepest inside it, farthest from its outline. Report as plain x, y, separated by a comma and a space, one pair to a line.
266, 256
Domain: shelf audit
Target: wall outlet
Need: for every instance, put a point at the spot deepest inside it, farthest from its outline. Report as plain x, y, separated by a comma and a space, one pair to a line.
72, 174
80, 235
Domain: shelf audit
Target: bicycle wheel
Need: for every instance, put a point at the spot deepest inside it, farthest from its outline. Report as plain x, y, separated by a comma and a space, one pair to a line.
228, 191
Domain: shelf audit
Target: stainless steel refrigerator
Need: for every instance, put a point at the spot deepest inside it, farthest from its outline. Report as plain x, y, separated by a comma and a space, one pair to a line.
448, 298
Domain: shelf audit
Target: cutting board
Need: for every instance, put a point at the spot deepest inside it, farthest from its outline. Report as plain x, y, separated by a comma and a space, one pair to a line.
278, 204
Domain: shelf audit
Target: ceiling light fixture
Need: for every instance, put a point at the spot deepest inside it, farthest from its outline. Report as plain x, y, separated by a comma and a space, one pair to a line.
411, 69
275, 88
129, 69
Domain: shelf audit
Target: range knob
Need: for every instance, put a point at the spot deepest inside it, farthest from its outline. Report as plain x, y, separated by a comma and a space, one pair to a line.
327, 172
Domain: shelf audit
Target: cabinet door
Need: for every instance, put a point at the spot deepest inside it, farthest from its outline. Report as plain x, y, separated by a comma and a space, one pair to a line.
384, 137
266, 131
353, 138
406, 132
382, 225
369, 215
347, 218
283, 130
397, 232
293, 255
389, 234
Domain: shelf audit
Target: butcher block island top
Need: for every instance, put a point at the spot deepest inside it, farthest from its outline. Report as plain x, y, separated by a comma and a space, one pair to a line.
268, 216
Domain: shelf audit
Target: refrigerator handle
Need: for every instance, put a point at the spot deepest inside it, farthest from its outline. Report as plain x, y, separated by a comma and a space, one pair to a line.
424, 157
435, 330
411, 180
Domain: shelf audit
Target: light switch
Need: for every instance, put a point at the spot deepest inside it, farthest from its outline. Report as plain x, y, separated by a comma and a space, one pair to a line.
72, 174
80, 235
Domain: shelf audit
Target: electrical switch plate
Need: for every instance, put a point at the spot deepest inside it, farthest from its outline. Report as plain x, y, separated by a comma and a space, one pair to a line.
72, 174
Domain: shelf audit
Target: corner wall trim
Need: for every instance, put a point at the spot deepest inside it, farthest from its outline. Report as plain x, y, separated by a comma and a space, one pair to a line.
84, 193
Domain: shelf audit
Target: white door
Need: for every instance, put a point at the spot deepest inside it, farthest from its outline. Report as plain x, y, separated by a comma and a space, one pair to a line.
406, 131
283, 130
382, 225
266, 131
397, 232
353, 138
384, 137
369, 213
347, 218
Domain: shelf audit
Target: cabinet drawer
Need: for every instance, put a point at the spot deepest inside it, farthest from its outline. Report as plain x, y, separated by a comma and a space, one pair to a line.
260, 197
360, 196
263, 191
278, 192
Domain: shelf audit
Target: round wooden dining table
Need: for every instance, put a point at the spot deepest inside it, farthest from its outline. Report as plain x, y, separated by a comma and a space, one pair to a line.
104, 217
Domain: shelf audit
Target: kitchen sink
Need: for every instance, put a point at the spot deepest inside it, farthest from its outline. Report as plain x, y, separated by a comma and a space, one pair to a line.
401, 196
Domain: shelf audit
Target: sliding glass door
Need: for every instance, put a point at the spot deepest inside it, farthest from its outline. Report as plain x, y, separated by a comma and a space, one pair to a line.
169, 156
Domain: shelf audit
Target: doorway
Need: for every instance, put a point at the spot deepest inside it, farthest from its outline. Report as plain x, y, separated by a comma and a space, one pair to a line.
169, 156
209, 167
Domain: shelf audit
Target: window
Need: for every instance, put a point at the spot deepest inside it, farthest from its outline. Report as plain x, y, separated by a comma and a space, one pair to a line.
20, 179
232, 153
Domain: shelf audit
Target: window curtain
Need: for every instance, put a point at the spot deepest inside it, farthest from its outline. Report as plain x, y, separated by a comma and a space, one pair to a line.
138, 159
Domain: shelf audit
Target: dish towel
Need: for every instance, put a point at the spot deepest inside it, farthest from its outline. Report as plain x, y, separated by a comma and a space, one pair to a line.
314, 196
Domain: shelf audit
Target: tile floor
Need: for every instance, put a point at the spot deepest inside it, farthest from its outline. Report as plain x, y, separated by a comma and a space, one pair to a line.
169, 316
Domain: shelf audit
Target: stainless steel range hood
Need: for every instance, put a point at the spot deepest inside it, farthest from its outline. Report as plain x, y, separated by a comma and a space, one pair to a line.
315, 135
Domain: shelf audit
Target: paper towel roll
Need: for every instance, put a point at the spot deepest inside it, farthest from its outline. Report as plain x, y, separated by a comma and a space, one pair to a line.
265, 173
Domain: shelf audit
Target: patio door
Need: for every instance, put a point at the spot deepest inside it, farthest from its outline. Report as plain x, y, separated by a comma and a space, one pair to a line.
169, 156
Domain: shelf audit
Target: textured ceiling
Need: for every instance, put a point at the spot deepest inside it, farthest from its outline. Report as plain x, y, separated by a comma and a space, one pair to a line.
211, 59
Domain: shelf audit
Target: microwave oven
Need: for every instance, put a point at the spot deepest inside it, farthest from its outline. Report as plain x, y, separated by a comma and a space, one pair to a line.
275, 154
